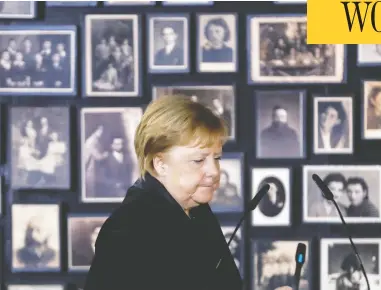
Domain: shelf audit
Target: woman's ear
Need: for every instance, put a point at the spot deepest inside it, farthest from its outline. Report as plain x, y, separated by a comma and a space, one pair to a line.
159, 165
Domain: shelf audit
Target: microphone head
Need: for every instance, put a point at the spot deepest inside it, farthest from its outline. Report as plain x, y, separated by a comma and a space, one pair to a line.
258, 197
326, 192
300, 255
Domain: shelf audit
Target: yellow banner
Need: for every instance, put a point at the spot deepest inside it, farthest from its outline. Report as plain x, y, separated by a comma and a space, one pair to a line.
343, 22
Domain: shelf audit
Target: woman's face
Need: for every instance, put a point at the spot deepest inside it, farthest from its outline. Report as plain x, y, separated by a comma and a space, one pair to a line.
191, 174
376, 101
216, 34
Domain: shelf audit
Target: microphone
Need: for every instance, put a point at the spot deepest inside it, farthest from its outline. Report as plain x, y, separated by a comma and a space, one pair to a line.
252, 205
300, 257
327, 194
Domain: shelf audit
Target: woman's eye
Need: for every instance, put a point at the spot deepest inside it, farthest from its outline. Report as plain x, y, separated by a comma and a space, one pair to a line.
199, 160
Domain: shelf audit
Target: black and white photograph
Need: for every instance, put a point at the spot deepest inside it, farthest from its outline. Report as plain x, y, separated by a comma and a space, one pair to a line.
82, 234
109, 164
168, 45
186, 3
18, 9
220, 99
71, 3
36, 238
112, 55
278, 53
340, 268
127, 2
333, 125
38, 60
274, 208
217, 42
229, 196
280, 124
371, 114
236, 245
40, 147
355, 188
369, 54
275, 265
35, 287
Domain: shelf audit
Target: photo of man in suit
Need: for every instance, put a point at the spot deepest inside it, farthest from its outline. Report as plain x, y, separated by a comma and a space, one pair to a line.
172, 53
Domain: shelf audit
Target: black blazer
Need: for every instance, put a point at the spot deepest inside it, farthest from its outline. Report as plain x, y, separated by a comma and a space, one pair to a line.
150, 243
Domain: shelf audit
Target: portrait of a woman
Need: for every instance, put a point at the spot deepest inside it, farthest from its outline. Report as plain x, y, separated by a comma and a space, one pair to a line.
273, 202
164, 235
373, 113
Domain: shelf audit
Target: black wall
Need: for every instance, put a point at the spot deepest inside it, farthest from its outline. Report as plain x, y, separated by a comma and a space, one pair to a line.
365, 152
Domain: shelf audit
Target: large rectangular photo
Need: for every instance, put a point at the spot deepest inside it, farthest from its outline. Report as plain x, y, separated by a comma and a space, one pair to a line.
40, 147
356, 189
340, 267
109, 164
274, 264
278, 53
112, 59
38, 60
220, 99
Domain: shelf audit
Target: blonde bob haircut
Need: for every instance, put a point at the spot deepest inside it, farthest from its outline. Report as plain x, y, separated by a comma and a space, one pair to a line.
175, 121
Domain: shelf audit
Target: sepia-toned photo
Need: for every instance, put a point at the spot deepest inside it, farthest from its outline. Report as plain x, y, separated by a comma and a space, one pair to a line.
274, 208
38, 60
109, 163
36, 287
369, 54
229, 196
371, 110
280, 124
356, 190
274, 264
40, 147
36, 238
236, 246
340, 268
71, 3
18, 9
168, 43
112, 55
220, 99
82, 235
278, 53
217, 43
333, 125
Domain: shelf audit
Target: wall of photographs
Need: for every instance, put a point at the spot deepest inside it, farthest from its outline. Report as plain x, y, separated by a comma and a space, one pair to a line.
75, 78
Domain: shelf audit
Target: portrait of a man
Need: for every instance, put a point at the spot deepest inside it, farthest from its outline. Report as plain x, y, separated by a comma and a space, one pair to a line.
333, 132
368, 54
40, 143
340, 268
356, 190
112, 55
280, 124
83, 232
35, 237
169, 43
217, 37
109, 164
17, 9
372, 110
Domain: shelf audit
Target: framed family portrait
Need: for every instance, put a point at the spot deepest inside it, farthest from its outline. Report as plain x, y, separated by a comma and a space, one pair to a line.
274, 264
217, 47
220, 99
112, 55
70, 3
230, 195
278, 52
40, 147
36, 287
369, 54
83, 231
38, 60
18, 9
371, 112
235, 246
280, 124
356, 190
340, 267
274, 208
109, 164
333, 125
168, 45
36, 242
